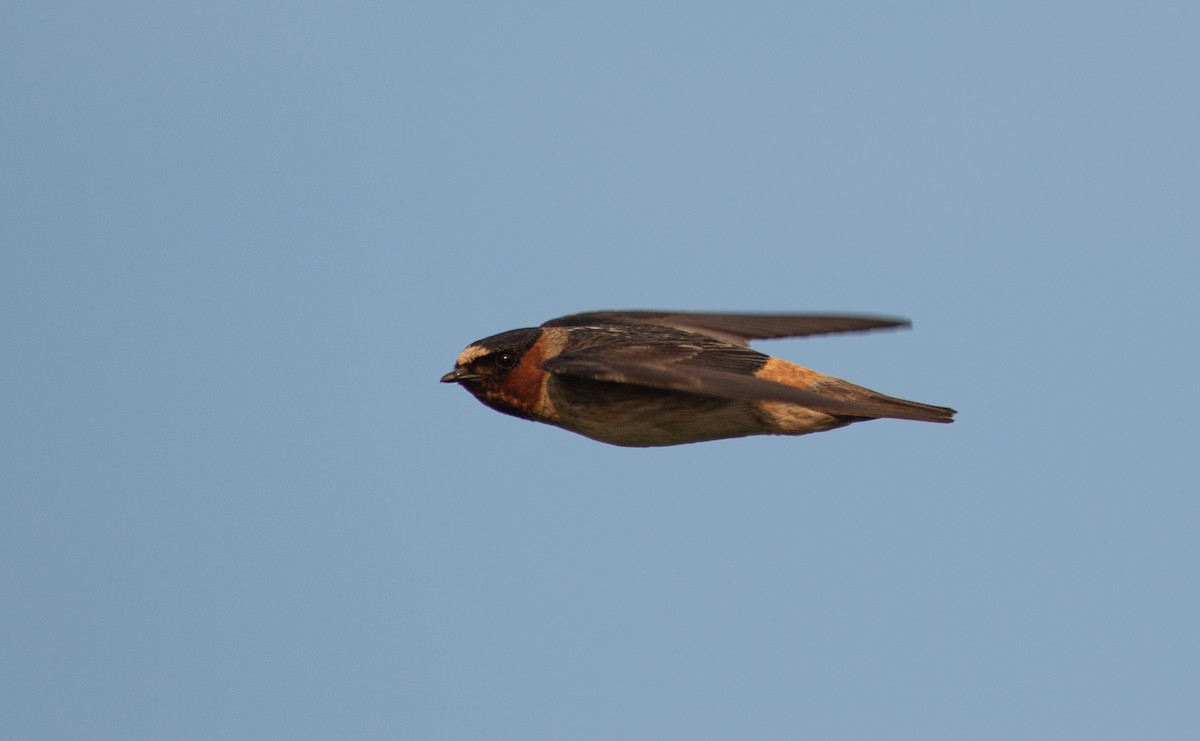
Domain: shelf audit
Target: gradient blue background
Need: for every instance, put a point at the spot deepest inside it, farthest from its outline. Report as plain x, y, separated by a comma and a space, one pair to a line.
241, 242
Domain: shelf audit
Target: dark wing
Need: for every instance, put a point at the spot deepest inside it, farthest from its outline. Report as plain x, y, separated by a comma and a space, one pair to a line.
736, 328
712, 372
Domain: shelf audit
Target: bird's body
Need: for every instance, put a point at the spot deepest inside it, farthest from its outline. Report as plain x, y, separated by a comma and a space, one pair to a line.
638, 378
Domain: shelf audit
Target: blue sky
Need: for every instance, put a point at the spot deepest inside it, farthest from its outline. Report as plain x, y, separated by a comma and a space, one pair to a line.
239, 243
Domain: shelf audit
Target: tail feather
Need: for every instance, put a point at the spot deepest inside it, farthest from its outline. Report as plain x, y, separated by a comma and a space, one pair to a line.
879, 406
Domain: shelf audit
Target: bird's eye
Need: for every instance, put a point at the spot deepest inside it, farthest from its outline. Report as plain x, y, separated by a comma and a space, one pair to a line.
506, 359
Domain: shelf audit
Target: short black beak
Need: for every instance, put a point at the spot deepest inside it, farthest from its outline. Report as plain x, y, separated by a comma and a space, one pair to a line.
458, 376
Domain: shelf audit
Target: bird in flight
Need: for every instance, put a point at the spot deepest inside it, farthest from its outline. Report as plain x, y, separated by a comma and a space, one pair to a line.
654, 378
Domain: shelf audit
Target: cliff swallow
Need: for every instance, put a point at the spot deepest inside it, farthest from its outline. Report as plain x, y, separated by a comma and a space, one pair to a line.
647, 378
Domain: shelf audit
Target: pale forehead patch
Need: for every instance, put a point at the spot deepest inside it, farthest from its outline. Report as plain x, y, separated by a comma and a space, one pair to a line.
471, 354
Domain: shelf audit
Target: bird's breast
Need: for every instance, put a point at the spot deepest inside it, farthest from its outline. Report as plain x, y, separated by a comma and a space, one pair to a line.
636, 416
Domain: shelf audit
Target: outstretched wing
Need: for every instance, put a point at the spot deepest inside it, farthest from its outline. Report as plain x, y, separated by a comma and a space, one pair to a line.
738, 329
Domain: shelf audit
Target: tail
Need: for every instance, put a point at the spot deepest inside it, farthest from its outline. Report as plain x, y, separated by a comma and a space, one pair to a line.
870, 404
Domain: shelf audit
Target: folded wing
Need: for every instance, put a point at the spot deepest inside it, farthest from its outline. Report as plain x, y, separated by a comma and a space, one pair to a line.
704, 373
